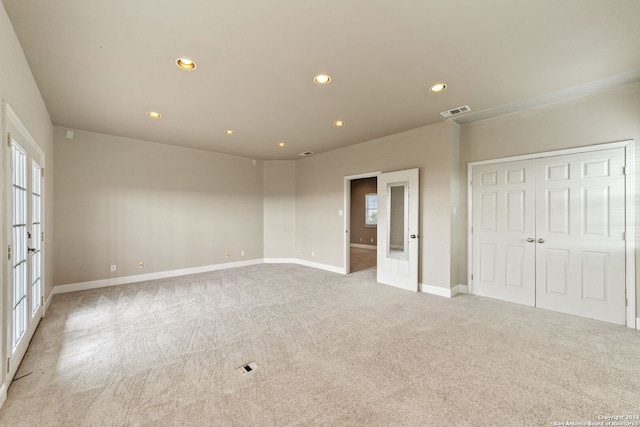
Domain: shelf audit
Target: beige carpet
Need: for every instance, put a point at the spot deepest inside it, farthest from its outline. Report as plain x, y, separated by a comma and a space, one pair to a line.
331, 350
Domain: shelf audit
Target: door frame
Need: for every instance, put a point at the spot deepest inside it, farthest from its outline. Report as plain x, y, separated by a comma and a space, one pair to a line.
347, 215
630, 249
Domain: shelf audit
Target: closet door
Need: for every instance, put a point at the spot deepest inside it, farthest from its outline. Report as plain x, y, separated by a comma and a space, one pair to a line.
580, 224
504, 231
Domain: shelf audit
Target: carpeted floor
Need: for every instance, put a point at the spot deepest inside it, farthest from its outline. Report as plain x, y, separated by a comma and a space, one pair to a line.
362, 259
328, 350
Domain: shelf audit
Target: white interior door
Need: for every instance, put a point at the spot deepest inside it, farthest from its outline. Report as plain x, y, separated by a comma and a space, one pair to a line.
580, 249
504, 231
25, 228
398, 233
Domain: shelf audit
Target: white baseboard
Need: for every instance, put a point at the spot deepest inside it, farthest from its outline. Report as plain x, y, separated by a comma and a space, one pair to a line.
361, 246
443, 292
435, 290
103, 283
47, 302
638, 323
3, 394
460, 289
94, 284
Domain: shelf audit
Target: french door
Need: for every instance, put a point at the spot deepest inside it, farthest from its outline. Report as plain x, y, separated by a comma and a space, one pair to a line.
26, 235
398, 211
550, 232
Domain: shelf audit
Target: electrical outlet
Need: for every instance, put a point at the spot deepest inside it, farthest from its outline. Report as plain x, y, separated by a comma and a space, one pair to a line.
361, 239
371, 240
313, 253
241, 253
113, 267
141, 264
226, 254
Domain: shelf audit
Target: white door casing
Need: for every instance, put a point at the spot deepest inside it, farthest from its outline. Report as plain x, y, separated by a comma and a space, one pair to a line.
398, 229
25, 231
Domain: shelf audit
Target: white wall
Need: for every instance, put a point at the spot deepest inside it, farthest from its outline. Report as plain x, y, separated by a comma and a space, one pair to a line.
121, 201
20, 91
279, 209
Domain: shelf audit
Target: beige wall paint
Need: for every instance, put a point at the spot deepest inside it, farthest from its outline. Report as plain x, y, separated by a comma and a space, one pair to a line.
604, 117
279, 185
360, 234
320, 194
121, 201
19, 89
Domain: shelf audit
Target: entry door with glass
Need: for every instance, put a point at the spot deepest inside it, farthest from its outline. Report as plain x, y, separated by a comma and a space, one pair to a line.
398, 210
25, 228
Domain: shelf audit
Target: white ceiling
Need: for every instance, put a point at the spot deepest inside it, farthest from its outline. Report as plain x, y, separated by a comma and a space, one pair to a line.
101, 65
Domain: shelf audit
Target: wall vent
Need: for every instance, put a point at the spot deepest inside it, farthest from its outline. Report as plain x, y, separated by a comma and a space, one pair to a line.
306, 153
455, 111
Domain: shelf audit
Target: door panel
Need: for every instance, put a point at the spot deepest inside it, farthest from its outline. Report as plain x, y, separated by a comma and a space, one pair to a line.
398, 211
503, 258
580, 230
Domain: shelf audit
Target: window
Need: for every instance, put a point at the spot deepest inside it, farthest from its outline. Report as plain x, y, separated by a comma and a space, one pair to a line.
371, 210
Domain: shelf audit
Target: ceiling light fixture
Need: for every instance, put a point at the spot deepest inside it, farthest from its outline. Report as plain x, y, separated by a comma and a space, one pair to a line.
322, 79
154, 114
229, 131
281, 144
338, 123
439, 87
185, 64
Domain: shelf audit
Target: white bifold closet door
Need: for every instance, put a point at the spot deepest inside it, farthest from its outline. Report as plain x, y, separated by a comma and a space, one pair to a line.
549, 232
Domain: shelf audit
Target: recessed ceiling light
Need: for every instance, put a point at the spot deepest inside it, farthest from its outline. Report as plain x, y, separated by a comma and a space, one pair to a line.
338, 123
154, 114
322, 79
229, 131
185, 64
439, 87
281, 144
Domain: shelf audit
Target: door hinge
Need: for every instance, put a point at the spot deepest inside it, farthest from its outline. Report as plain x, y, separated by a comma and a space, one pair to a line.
472, 277
624, 235
9, 253
43, 236
9, 139
624, 170
8, 364
42, 300
42, 172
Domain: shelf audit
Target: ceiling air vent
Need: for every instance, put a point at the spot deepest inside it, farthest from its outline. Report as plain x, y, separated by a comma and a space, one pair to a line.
306, 153
455, 111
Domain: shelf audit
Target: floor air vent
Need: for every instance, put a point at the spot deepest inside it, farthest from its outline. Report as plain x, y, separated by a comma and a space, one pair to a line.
455, 111
249, 367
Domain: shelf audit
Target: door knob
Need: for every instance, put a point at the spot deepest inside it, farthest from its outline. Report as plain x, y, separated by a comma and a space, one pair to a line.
540, 240
31, 250
413, 236
530, 240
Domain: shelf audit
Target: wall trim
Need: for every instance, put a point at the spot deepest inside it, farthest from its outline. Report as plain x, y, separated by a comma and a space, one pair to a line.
436, 290
638, 323
103, 283
48, 301
3, 394
361, 246
460, 289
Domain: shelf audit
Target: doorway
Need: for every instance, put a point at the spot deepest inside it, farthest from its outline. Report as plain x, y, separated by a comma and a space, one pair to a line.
363, 238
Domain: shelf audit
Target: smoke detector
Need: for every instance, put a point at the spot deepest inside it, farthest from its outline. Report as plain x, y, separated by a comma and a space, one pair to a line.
455, 111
